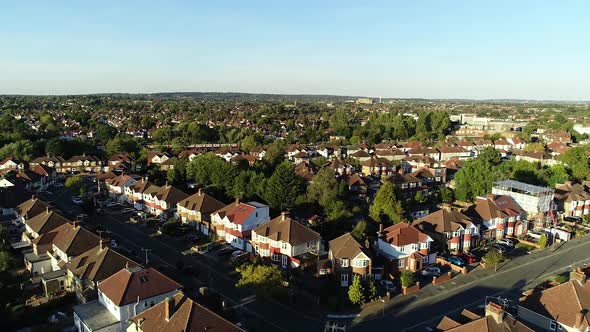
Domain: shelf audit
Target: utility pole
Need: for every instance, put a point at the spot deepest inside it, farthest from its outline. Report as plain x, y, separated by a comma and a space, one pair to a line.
146, 254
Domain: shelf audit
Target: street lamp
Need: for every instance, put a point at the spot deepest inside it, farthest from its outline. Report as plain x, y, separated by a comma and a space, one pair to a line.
146, 254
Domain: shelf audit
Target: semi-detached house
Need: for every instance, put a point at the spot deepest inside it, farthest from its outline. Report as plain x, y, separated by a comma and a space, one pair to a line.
451, 229
348, 258
235, 222
405, 247
196, 210
286, 242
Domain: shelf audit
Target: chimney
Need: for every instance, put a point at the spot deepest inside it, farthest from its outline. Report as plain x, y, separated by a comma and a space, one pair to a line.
200, 191
237, 200
47, 209
380, 228
579, 275
168, 310
284, 215
495, 311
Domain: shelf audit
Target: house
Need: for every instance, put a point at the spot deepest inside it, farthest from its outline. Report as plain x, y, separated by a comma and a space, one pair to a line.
325, 151
6, 183
405, 246
413, 163
258, 151
83, 163
565, 307
390, 154
235, 222
306, 170
47, 174
424, 152
517, 143
501, 216
121, 161
431, 176
376, 167
168, 164
226, 153
572, 199
451, 229
360, 155
118, 185
356, 184
502, 144
42, 223
10, 164
135, 193
122, 296
496, 319
86, 270
159, 200
180, 313
196, 210
453, 152
58, 163
154, 157
285, 241
535, 200
407, 184
341, 168
348, 258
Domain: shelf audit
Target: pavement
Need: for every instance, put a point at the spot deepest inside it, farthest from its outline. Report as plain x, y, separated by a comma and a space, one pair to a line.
426, 308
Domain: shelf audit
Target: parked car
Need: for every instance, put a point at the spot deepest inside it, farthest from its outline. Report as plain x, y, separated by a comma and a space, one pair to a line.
499, 248
226, 251
113, 204
505, 242
128, 210
456, 261
76, 200
239, 256
388, 285
430, 271
468, 257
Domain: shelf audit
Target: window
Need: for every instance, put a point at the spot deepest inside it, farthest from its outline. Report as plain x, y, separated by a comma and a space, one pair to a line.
361, 263
284, 245
400, 264
276, 257
552, 325
152, 303
344, 262
310, 244
425, 259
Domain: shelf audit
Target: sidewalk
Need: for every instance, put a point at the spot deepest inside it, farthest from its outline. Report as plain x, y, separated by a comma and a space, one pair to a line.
476, 275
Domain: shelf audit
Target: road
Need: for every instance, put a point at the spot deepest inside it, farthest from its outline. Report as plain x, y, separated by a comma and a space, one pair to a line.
416, 312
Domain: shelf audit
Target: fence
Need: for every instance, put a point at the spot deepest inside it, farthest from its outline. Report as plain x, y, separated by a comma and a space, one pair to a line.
442, 279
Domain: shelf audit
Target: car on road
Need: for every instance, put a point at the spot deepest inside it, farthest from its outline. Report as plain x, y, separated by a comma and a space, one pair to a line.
468, 257
239, 256
76, 200
430, 271
505, 242
456, 261
388, 285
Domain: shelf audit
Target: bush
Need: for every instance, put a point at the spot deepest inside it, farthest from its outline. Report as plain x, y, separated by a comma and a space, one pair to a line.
407, 278
542, 241
170, 227
559, 278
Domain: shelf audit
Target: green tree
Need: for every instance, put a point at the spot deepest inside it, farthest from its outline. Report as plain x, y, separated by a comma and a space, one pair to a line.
447, 195
248, 143
23, 149
474, 179
5, 261
577, 160
406, 278
493, 257
371, 289
264, 279
359, 231
356, 291
386, 207
556, 174
283, 187
74, 184
542, 241
275, 152
419, 197
123, 145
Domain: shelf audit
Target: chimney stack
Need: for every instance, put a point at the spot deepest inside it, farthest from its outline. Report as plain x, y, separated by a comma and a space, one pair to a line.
284, 215
237, 200
495, 311
200, 191
47, 209
168, 311
380, 228
578, 275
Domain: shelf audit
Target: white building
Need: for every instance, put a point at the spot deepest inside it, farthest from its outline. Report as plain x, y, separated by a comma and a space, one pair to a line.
534, 200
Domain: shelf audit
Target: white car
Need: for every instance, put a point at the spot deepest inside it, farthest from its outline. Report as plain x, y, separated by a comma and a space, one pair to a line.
76, 200
430, 271
505, 242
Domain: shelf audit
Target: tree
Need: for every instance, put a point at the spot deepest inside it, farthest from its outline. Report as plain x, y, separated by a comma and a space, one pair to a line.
324, 188
542, 242
356, 291
493, 257
371, 289
275, 152
359, 231
556, 174
5, 261
406, 278
248, 143
447, 195
23, 149
283, 188
74, 184
123, 145
386, 206
265, 279
419, 197
577, 160
474, 179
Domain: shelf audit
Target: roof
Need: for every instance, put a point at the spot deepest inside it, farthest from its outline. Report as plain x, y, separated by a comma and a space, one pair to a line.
99, 263
571, 192
443, 221
240, 212
403, 234
129, 284
562, 303
32, 207
494, 206
345, 246
283, 228
521, 186
201, 202
169, 194
95, 315
74, 240
185, 316
468, 321
47, 221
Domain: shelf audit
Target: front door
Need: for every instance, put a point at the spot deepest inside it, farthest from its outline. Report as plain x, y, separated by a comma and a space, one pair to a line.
344, 280
285, 261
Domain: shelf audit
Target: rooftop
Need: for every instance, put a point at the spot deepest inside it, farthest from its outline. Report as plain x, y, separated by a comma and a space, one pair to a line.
522, 187
95, 316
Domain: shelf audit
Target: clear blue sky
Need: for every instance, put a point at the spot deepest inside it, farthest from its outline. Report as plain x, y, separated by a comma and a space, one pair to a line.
430, 49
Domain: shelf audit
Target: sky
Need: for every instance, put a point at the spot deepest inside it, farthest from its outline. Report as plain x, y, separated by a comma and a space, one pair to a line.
398, 49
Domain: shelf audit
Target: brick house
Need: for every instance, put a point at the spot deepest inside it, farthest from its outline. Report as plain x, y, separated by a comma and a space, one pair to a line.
348, 258
196, 210
405, 247
500, 216
451, 229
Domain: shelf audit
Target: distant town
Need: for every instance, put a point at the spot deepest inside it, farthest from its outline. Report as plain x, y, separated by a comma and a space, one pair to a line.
260, 212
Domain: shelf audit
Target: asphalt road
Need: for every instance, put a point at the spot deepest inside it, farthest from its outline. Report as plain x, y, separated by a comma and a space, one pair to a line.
425, 309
